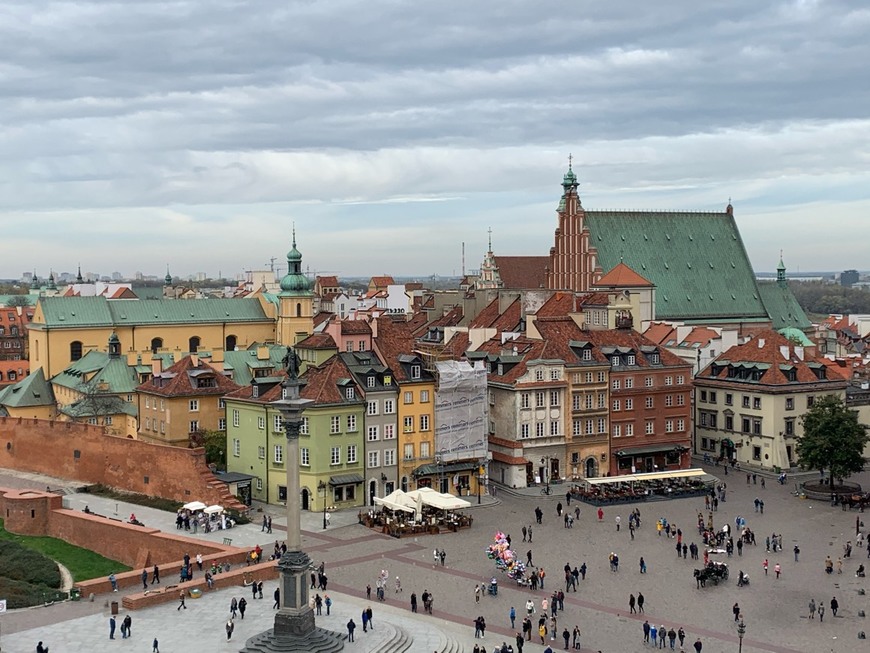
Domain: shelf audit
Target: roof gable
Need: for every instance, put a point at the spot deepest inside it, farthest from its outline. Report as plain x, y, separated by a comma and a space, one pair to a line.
523, 271
622, 276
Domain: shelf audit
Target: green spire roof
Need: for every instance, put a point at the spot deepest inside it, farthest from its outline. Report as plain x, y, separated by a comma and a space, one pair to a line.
51, 284
167, 280
295, 282
34, 282
570, 179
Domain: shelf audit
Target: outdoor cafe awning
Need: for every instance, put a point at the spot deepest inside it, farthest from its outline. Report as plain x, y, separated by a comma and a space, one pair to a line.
345, 479
651, 476
650, 448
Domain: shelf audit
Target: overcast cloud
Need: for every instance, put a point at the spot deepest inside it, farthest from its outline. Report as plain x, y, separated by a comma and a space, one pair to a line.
139, 133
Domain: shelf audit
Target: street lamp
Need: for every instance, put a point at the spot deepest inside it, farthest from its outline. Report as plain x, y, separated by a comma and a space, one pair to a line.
321, 489
479, 474
741, 631
546, 467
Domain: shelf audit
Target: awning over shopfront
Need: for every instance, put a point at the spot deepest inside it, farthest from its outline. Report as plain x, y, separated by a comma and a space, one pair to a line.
346, 479
651, 476
651, 448
447, 468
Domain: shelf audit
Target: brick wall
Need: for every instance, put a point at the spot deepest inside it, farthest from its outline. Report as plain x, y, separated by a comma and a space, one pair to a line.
84, 453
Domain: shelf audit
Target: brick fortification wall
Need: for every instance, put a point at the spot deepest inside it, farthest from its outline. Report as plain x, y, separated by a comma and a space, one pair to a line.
84, 453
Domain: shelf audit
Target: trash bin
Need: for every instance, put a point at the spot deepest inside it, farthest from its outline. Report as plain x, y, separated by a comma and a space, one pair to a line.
114, 607
75, 594
777, 469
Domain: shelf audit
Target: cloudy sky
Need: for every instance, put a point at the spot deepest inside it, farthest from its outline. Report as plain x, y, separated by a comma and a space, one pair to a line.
139, 133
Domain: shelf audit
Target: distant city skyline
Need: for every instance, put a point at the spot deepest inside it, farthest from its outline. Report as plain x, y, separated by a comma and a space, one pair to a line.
391, 134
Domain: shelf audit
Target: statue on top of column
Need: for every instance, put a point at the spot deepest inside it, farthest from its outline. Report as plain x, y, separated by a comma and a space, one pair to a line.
291, 363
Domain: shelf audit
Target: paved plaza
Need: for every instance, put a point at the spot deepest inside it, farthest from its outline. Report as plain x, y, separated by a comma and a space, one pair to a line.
775, 610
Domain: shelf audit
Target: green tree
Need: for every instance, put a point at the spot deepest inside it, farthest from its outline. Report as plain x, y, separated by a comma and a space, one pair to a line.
18, 300
215, 445
833, 439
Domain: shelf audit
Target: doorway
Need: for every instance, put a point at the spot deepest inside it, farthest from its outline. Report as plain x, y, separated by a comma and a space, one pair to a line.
554, 469
373, 491
306, 497
591, 467
649, 465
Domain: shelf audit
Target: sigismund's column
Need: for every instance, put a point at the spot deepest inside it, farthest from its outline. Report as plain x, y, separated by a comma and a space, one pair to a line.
294, 628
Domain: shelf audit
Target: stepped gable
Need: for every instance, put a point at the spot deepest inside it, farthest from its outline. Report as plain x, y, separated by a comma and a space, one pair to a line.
771, 354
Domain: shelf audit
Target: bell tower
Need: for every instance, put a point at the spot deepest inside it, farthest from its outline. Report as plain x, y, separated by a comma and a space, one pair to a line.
295, 301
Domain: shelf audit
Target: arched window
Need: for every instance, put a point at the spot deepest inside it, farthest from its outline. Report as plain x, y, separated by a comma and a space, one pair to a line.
75, 350
156, 344
298, 310
193, 344
230, 344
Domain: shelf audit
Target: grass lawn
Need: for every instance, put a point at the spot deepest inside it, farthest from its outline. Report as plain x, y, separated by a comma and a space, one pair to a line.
82, 564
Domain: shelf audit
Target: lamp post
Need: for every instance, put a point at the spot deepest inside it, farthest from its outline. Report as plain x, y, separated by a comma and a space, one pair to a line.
321, 489
294, 628
479, 474
741, 631
546, 467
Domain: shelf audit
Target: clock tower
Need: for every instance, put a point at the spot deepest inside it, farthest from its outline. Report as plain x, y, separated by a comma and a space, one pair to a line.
295, 301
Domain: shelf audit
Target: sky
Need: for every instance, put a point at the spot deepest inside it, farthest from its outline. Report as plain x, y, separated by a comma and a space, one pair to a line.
140, 134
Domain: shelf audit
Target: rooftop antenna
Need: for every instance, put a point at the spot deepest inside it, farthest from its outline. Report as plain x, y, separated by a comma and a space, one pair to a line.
463, 258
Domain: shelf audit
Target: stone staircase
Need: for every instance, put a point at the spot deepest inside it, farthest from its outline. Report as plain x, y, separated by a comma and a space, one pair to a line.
450, 645
398, 640
226, 499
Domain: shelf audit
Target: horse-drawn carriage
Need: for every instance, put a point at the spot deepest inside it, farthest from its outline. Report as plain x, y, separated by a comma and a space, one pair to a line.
713, 571
857, 500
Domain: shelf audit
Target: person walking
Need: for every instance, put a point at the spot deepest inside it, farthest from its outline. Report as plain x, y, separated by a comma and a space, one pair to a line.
642, 565
566, 635
476, 593
327, 602
600, 514
230, 627
736, 611
640, 601
413, 602
777, 569
243, 605
821, 612
797, 552
144, 579
524, 533
653, 632
127, 624
764, 566
529, 557
277, 596
351, 626
181, 601
698, 645
155, 646
681, 635
618, 521
155, 575
835, 605
114, 582
369, 617
631, 603
365, 621
646, 631
234, 606
812, 606
112, 627
513, 617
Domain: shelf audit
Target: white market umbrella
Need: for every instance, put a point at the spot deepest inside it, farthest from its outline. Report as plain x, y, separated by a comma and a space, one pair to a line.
213, 509
194, 505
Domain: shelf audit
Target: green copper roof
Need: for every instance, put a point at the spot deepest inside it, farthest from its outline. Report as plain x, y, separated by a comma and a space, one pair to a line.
796, 335
32, 390
244, 362
295, 282
95, 369
71, 312
100, 407
696, 261
782, 307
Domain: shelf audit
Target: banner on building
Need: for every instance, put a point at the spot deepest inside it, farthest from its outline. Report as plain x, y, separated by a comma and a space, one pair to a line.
461, 411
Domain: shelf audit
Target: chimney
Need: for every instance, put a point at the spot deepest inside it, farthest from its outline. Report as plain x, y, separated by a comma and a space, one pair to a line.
156, 366
374, 326
262, 353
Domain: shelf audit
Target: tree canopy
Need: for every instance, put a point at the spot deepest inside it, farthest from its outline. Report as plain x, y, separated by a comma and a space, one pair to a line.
833, 438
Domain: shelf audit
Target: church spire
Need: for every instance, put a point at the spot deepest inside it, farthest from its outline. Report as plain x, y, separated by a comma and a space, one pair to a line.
569, 181
489, 248
79, 278
167, 280
780, 273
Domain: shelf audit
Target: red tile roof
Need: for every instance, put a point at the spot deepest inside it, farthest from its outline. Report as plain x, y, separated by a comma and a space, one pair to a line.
322, 317
322, 383
660, 332
318, 341
523, 271
382, 282
21, 369
327, 282
355, 328
394, 339
771, 348
486, 317
623, 276
700, 335
179, 380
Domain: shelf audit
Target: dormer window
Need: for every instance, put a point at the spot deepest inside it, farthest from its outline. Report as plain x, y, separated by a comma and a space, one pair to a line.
500, 369
654, 359
415, 371
349, 393
614, 361
370, 381
539, 375
587, 354
255, 391
388, 381
630, 359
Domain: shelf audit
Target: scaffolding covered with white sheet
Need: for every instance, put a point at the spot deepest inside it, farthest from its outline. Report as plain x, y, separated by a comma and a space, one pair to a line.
461, 411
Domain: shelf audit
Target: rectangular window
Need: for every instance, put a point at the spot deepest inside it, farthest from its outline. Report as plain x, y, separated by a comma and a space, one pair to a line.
756, 403
277, 423
372, 408
408, 452
539, 400
712, 397
389, 406
590, 427
235, 417
554, 375
648, 381
303, 428
424, 450
408, 397
681, 379
539, 430
107, 420
614, 384
714, 419
261, 422
630, 359
703, 395
587, 354
278, 454
789, 403
194, 426
789, 427
617, 404
575, 402
374, 458
351, 423
424, 422
362, 345
669, 380
524, 400
602, 425
524, 431
351, 454
147, 423
409, 424
554, 427
649, 402
669, 426
589, 402
681, 425
260, 484
335, 456
629, 430
237, 447
669, 400
335, 424
193, 405
756, 453
650, 427
163, 427
602, 377
681, 400
745, 401
629, 403
703, 419
261, 453
729, 423
389, 457
576, 427
810, 401
389, 431
373, 434
222, 424
602, 399
348, 346
729, 399
539, 375
587, 377
756, 427
629, 383
349, 394
415, 372
554, 397
370, 381
424, 396
745, 424
617, 430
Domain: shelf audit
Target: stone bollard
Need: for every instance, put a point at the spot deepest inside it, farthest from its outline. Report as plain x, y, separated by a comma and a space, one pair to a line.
861, 613
861, 635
